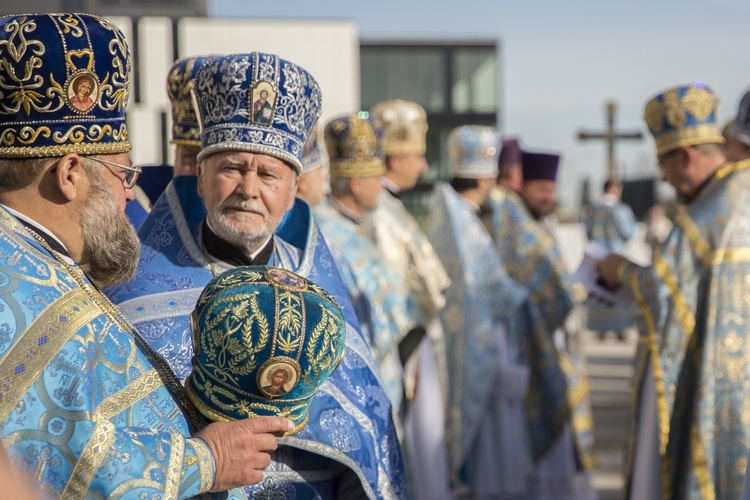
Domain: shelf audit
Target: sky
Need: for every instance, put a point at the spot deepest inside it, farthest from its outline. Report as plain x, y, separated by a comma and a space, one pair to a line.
561, 61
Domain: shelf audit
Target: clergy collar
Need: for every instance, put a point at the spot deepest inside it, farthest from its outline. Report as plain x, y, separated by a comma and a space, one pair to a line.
390, 186
230, 254
345, 211
44, 233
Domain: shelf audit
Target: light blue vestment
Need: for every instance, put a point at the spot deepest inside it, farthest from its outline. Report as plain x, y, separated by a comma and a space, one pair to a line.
389, 318
350, 419
529, 255
481, 297
610, 225
694, 341
84, 408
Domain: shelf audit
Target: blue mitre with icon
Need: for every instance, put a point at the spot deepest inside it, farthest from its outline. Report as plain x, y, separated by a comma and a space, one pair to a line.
265, 340
257, 103
180, 79
64, 85
685, 115
473, 151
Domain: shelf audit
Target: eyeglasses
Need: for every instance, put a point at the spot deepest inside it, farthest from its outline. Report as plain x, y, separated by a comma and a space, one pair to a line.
131, 173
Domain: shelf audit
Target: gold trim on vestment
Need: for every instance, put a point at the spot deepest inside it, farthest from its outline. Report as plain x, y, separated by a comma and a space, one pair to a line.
732, 167
696, 239
103, 436
39, 344
90, 460
132, 484
703, 476
174, 468
129, 395
683, 311
206, 462
578, 393
733, 255
661, 400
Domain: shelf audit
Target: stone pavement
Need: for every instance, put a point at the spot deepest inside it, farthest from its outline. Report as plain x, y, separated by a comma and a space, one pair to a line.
610, 365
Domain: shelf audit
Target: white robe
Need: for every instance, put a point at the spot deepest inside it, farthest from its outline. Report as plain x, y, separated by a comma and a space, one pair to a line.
646, 483
425, 432
556, 477
496, 467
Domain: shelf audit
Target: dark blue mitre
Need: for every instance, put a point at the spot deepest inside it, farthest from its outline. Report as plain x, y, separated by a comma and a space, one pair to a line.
257, 103
355, 146
265, 340
64, 85
185, 128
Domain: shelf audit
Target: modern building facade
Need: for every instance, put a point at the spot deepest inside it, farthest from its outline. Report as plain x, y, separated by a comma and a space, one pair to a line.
457, 82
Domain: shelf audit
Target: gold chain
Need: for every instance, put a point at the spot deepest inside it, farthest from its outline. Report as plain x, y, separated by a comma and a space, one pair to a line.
210, 260
167, 375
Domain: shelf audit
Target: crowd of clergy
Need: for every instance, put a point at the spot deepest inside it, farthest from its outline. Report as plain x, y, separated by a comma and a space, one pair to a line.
266, 319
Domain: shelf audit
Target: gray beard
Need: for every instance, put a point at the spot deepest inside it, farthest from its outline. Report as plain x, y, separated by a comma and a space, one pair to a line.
109, 239
248, 241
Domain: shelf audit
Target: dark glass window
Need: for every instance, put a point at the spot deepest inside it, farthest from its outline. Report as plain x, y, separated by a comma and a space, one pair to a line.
474, 82
457, 84
412, 74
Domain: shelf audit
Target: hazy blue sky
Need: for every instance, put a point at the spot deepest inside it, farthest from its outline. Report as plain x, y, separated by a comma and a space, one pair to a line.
562, 60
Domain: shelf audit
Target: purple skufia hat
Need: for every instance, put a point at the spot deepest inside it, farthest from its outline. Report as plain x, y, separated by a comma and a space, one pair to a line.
510, 153
539, 166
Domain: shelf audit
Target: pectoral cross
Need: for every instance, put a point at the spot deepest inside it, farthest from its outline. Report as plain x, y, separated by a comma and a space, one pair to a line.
610, 135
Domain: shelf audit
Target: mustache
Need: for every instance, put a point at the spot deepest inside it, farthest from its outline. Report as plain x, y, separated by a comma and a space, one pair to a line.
247, 205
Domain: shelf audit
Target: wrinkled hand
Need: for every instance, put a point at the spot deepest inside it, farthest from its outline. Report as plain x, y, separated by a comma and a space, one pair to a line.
608, 268
240, 449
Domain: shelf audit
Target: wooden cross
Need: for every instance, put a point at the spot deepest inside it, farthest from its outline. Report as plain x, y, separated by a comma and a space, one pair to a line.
610, 135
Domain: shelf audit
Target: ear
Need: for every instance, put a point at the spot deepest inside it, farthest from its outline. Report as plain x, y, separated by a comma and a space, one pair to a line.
355, 186
295, 186
395, 162
69, 176
199, 173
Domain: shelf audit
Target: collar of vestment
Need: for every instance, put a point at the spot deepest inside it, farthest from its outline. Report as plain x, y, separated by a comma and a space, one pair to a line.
390, 186
44, 233
230, 254
609, 199
474, 207
345, 211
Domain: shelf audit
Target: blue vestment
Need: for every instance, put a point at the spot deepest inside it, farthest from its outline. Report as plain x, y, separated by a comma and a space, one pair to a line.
350, 418
694, 342
84, 405
530, 256
610, 225
481, 302
389, 318
137, 209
